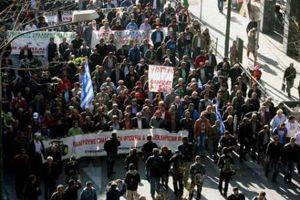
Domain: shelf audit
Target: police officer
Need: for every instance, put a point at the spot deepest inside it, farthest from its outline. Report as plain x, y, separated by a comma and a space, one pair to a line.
197, 172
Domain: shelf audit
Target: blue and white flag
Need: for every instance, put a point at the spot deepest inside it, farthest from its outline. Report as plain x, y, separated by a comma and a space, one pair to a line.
219, 118
87, 93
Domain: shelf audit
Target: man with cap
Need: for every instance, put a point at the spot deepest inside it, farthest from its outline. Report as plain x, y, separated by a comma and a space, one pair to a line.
111, 148
236, 195
197, 173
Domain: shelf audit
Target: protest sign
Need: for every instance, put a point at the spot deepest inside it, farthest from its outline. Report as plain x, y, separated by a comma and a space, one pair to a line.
66, 16
89, 145
38, 41
51, 18
160, 78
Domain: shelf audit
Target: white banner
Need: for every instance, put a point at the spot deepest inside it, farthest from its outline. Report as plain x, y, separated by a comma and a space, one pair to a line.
66, 16
51, 18
38, 41
89, 145
160, 78
123, 37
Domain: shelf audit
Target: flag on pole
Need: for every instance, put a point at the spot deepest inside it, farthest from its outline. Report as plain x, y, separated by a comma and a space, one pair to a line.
219, 118
87, 93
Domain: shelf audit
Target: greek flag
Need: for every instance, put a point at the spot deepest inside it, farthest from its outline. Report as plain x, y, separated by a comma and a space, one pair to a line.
87, 93
219, 118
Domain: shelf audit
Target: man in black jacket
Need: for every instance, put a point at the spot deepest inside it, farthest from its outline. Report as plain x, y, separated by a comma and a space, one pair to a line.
148, 147
51, 50
236, 195
187, 151
244, 132
132, 181
177, 172
273, 157
291, 155
154, 166
225, 163
111, 148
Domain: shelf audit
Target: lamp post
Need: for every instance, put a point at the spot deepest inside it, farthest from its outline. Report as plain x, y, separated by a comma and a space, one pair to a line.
201, 6
227, 35
78, 16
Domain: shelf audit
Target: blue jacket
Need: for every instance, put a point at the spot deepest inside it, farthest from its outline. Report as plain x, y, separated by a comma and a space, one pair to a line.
134, 55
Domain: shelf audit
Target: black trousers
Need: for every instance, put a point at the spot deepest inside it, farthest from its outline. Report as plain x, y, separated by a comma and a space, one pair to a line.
224, 177
178, 185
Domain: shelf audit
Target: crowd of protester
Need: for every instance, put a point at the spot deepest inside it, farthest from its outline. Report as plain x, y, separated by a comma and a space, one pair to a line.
222, 109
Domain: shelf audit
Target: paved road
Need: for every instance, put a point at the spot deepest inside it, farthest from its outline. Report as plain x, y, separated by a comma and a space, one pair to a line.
249, 179
271, 56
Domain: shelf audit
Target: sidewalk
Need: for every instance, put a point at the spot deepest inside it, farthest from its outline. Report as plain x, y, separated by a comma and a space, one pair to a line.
272, 59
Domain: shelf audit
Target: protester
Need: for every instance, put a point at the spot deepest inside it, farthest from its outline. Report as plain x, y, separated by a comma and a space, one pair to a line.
88, 192
291, 156
236, 195
273, 158
225, 163
111, 148
289, 78
59, 194
154, 166
261, 196
197, 173
44, 101
132, 180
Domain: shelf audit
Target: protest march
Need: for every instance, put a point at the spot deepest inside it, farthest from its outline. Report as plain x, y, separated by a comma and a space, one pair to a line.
141, 90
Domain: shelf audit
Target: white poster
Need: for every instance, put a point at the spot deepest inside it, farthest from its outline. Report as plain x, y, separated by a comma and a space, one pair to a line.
160, 78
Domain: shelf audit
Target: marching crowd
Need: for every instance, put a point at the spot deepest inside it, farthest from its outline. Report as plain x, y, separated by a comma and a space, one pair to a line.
222, 109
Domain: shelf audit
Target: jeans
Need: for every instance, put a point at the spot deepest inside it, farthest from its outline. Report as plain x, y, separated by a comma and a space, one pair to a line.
154, 185
201, 141
220, 5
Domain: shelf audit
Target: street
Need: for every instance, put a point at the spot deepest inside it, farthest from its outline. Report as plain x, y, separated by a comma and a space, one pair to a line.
249, 179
